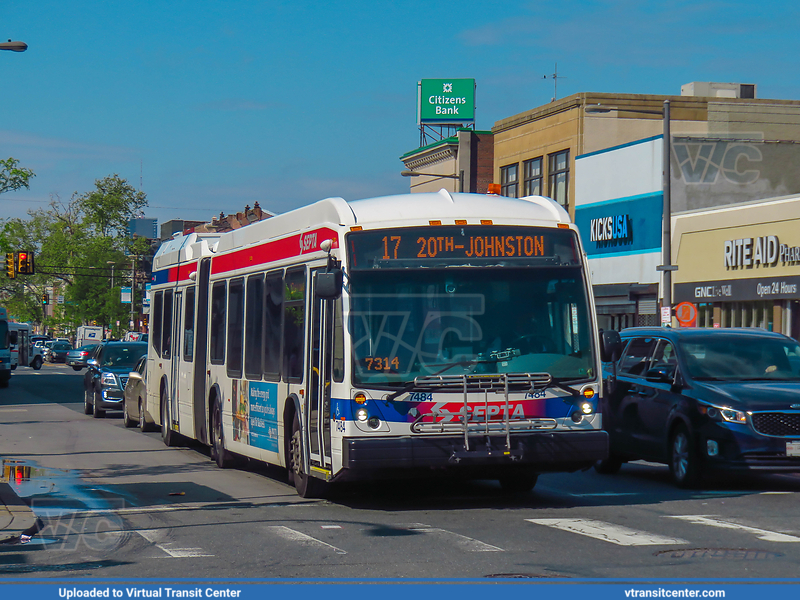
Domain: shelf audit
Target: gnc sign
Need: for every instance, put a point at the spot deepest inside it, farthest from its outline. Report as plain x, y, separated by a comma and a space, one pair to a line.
686, 313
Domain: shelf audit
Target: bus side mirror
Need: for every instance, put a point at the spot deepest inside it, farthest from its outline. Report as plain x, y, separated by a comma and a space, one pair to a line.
328, 284
610, 345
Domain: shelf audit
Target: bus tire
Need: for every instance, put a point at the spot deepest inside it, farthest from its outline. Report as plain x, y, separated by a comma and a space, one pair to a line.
608, 466
37, 363
306, 486
168, 436
518, 483
221, 456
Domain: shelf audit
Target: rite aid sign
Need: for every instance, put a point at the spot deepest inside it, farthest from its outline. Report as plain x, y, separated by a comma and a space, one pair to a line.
767, 251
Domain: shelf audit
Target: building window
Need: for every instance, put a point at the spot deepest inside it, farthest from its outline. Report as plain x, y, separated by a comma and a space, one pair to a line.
509, 180
558, 175
532, 172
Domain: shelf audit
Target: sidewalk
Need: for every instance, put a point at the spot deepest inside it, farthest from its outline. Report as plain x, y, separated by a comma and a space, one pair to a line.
16, 517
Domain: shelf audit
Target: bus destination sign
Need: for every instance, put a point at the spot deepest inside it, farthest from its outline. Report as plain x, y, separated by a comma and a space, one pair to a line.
465, 245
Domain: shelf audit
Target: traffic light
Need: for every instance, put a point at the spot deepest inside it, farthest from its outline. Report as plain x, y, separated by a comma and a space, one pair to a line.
11, 265
45, 299
25, 263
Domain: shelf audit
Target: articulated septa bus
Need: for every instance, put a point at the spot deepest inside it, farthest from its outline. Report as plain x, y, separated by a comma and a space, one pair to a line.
424, 333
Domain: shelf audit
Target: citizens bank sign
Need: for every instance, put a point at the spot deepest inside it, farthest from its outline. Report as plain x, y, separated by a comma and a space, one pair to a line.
445, 101
767, 251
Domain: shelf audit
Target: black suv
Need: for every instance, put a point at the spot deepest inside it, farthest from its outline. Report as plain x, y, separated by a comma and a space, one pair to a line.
107, 374
700, 399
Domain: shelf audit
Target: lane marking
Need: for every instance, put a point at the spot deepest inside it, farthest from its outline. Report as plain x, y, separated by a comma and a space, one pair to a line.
5, 410
762, 534
607, 532
302, 538
154, 535
463, 542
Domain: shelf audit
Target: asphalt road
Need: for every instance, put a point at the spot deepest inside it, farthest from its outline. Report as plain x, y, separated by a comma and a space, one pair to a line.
118, 503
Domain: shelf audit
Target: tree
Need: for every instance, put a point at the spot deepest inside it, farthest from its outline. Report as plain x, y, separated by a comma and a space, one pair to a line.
12, 177
111, 205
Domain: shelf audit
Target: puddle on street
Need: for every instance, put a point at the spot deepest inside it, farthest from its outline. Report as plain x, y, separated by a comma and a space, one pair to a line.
55, 492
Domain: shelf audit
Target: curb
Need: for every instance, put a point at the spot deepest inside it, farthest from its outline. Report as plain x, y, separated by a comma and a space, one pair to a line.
16, 517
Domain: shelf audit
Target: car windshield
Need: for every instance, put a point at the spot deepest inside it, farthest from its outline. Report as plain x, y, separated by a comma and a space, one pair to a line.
62, 346
122, 356
746, 358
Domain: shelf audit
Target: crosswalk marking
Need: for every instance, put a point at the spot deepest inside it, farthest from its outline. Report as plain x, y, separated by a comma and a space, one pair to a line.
467, 544
762, 534
607, 532
306, 540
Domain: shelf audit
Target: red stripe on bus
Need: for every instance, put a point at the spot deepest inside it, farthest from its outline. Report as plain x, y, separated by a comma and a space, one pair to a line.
289, 247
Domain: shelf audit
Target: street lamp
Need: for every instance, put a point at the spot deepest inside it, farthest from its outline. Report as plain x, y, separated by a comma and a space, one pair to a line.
460, 177
113, 264
666, 232
14, 46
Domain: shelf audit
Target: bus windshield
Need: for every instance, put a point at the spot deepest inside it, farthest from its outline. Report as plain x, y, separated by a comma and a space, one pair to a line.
414, 322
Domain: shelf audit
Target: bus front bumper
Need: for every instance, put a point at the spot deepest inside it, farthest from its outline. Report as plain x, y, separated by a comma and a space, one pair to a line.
539, 452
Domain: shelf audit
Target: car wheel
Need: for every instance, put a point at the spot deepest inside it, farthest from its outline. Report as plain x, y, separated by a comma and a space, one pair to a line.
168, 436
87, 403
519, 483
97, 412
37, 363
13, 367
126, 418
683, 461
306, 486
74, 368
608, 466
143, 424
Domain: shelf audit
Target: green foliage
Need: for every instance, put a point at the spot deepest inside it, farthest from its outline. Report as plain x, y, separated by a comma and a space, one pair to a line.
13, 177
76, 244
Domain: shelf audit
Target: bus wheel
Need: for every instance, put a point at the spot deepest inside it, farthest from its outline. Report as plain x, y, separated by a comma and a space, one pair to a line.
519, 482
222, 457
168, 436
306, 486
37, 363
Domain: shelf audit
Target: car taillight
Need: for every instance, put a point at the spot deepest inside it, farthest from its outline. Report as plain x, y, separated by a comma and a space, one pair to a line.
84, 354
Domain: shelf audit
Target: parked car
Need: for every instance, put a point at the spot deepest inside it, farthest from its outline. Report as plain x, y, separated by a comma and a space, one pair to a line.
135, 411
703, 399
77, 358
58, 352
107, 374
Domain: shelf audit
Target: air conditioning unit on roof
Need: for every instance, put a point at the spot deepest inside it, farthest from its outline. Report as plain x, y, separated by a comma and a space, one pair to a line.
711, 89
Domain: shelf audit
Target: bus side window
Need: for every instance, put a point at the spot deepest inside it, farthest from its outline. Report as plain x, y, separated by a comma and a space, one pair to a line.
293, 325
158, 307
338, 342
188, 326
253, 326
217, 333
273, 326
235, 327
166, 335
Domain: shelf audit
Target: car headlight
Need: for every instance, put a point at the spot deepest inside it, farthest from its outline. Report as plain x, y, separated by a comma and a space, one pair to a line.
723, 413
108, 379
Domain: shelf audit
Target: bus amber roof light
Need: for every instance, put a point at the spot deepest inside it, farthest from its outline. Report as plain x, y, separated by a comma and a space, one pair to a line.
494, 188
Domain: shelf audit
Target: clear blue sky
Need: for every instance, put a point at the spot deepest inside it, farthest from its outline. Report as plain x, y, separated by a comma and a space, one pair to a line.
216, 104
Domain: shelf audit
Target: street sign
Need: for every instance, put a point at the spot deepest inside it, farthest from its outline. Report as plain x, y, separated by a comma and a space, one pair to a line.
666, 315
125, 295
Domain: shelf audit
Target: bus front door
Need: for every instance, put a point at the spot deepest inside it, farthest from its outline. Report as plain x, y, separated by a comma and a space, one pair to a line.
318, 376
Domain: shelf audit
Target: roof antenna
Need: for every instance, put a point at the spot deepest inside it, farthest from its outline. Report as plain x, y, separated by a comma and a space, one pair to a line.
555, 77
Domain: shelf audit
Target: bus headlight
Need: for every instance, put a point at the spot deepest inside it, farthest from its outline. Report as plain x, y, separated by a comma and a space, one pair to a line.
362, 414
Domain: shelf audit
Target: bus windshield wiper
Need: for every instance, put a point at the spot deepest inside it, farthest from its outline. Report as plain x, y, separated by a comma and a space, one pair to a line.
480, 359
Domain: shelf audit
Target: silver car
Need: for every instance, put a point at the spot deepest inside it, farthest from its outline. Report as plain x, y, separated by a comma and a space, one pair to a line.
134, 409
